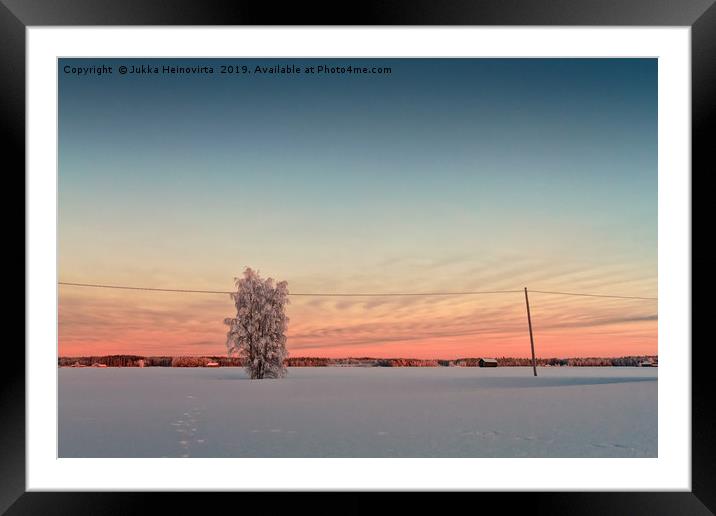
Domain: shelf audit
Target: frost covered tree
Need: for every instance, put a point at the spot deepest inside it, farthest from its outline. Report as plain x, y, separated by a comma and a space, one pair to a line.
258, 332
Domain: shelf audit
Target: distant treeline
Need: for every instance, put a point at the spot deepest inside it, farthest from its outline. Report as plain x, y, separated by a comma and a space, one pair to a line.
141, 361
223, 361
629, 361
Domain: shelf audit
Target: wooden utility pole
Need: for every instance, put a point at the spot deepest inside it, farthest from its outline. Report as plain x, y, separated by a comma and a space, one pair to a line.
532, 340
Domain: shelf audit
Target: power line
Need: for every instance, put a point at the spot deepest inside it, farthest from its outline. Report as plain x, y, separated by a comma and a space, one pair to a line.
388, 294
312, 294
122, 287
592, 295
351, 294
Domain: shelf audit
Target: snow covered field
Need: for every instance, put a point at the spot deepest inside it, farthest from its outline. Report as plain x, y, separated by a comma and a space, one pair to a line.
358, 412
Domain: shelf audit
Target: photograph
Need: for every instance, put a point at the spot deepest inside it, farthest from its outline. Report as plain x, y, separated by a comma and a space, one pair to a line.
358, 250
357, 257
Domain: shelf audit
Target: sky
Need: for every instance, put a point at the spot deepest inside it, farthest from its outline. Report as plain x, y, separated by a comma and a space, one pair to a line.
443, 175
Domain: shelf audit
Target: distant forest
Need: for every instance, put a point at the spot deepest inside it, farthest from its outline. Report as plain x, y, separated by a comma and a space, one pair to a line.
223, 361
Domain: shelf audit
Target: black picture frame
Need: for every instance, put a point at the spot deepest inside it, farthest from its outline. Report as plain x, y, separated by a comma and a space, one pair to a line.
16, 15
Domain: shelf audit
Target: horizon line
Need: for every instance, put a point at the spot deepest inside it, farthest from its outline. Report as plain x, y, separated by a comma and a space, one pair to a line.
360, 357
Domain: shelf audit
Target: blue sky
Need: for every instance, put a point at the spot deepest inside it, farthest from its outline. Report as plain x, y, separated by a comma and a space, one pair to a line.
510, 166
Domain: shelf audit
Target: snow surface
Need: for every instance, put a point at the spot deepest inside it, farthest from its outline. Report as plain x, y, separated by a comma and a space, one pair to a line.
358, 412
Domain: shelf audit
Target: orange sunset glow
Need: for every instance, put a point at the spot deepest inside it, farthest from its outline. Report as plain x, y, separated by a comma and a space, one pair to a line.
99, 321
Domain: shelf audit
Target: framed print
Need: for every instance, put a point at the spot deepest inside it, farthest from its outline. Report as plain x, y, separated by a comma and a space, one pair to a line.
442, 249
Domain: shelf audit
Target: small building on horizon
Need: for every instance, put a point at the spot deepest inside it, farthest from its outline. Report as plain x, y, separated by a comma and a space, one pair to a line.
487, 362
